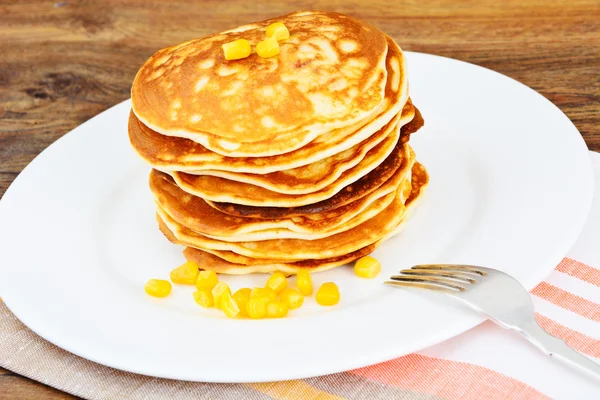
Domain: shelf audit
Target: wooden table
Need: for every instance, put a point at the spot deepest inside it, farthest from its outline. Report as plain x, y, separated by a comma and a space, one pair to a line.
62, 62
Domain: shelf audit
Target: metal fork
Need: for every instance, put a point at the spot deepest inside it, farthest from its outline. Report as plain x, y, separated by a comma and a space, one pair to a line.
497, 295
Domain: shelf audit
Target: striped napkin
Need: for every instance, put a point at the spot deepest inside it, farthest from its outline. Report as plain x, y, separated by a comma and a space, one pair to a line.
485, 362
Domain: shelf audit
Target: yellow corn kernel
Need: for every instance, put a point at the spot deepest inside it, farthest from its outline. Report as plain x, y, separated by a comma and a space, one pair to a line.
328, 294
186, 273
304, 283
278, 282
277, 309
218, 292
237, 49
292, 298
204, 298
257, 307
263, 292
241, 297
206, 280
158, 287
367, 267
229, 305
278, 30
267, 48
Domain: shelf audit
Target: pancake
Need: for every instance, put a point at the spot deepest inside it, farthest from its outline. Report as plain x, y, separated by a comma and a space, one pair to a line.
394, 167
168, 153
330, 72
411, 194
277, 233
222, 261
318, 175
412, 126
336, 245
309, 190
194, 213
420, 180
209, 261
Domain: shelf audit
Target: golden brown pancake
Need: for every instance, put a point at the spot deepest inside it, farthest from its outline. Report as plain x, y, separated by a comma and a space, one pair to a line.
393, 167
336, 245
228, 262
420, 180
411, 127
329, 74
222, 261
219, 189
209, 261
343, 223
168, 153
194, 213
320, 174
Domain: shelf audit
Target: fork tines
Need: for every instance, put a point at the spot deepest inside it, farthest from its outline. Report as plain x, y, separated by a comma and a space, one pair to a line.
438, 276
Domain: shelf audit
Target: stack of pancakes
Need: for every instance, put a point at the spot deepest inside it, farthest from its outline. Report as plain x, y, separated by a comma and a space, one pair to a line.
298, 161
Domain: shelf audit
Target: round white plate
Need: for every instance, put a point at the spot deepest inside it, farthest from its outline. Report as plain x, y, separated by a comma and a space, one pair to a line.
511, 186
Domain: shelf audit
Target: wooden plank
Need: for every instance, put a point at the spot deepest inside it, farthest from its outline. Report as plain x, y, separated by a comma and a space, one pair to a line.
16, 387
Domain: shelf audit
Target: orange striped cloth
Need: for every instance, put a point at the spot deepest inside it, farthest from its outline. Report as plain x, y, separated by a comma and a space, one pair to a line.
486, 362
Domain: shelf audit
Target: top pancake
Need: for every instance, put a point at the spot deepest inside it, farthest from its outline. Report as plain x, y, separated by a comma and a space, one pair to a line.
170, 153
329, 74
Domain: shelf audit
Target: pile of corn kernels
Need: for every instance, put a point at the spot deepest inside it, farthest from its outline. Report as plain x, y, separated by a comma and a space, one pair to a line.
274, 300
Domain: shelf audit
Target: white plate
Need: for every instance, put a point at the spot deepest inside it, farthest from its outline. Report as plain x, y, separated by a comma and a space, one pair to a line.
511, 186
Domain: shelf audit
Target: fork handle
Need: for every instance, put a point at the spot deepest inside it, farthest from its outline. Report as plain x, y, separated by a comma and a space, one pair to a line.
557, 348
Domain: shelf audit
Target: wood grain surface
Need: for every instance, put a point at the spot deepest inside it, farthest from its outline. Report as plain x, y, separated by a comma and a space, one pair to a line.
62, 62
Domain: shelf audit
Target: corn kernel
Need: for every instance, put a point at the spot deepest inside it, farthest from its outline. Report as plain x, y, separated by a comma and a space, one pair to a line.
277, 309
278, 30
257, 307
186, 273
367, 267
267, 48
229, 305
241, 297
158, 287
278, 282
263, 292
237, 49
218, 293
304, 283
292, 298
207, 280
328, 294
204, 298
